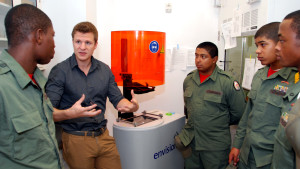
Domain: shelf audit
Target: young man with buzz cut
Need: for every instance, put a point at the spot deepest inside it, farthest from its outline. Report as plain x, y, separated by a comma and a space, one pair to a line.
26, 114
214, 101
288, 49
254, 139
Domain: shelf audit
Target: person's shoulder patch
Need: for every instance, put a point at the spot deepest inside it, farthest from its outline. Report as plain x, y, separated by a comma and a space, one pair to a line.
236, 85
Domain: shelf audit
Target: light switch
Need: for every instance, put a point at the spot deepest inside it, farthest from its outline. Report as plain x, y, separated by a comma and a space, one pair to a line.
168, 8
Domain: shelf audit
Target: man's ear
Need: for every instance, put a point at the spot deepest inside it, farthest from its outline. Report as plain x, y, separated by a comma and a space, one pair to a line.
96, 44
215, 59
39, 36
297, 42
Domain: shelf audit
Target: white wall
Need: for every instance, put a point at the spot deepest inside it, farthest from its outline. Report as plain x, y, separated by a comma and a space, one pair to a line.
190, 23
65, 14
278, 9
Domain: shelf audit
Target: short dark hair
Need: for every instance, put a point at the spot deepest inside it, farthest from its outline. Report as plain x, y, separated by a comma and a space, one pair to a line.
22, 20
85, 27
270, 31
210, 47
295, 25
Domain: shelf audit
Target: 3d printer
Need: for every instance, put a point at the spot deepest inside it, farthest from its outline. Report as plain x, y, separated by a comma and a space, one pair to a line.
138, 62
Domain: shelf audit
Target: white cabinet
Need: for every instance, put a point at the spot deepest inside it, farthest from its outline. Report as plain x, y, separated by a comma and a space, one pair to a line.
255, 13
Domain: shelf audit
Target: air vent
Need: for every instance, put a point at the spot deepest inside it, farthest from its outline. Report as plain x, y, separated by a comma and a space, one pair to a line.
252, 1
250, 21
254, 17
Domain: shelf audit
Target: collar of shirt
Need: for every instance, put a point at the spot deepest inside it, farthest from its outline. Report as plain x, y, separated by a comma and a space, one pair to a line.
21, 76
203, 77
74, 63
271, 71
213, 76
283, 72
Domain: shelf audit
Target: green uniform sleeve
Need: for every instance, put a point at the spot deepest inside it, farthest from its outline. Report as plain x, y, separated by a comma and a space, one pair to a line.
241, 130
242, 125
186, 135
236, 102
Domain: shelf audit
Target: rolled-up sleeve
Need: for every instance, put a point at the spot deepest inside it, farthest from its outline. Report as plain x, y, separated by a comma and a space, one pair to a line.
55, 85
114, 93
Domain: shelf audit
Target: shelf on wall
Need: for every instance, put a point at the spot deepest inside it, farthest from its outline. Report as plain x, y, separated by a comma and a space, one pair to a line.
3, 39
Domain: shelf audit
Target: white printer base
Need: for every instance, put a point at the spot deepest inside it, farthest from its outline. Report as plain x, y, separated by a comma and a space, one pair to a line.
150, 146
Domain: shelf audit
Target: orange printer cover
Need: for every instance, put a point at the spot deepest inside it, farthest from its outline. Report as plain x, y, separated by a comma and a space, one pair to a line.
139, 53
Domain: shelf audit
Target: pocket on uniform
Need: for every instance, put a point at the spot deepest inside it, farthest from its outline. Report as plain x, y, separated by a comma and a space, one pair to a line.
273, 110
28, 138
276, 101
213, 103
26, 121
215, 98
